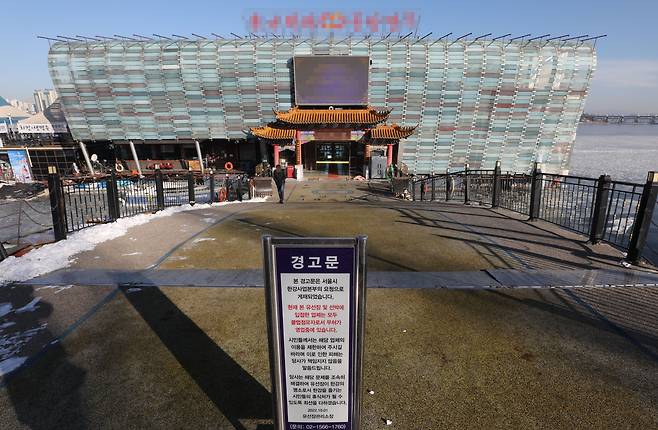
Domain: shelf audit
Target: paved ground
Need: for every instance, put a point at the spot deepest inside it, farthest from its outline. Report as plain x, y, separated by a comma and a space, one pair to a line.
183, 357
197, 358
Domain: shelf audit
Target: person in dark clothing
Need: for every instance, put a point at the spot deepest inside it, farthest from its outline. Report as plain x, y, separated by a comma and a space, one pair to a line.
279, 177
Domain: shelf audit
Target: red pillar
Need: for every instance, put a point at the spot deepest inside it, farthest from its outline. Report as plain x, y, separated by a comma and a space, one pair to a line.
298, 148
276, 155
389, 155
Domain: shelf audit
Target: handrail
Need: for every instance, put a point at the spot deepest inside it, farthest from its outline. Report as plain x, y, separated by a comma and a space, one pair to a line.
564, 200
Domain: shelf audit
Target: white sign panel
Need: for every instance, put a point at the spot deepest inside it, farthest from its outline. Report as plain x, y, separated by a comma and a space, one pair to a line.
4, 128
316, 325
315, 289
35, 129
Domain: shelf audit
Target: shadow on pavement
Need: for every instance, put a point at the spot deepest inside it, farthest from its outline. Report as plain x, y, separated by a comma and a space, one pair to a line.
232, 389
638, 326
44, 393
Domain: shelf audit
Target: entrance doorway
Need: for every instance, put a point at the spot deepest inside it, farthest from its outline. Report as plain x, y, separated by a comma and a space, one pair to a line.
333, 158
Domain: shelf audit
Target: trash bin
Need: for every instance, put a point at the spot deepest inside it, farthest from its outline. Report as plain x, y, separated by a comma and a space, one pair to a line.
290, 171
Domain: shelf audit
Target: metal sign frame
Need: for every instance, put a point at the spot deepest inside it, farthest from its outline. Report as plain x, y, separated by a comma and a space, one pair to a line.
273, 302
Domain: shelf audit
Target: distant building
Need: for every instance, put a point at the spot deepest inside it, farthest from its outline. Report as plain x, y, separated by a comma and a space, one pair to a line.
43, 99
9, 116
25, 106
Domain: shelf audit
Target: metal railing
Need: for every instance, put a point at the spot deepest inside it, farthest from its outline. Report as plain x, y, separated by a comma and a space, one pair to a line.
567, 201
515, 190
603, 209
83, 202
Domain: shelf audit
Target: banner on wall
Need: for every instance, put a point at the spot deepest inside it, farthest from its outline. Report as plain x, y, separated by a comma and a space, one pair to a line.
20, 164
49, 128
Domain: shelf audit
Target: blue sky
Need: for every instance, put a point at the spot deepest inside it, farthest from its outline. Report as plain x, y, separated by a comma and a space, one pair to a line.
626, 79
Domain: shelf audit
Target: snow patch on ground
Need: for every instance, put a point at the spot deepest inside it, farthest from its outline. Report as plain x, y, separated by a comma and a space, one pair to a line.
133, 290
130, 254
11, 364
5, 308
203, 239
12, 345
60, 254
30, 307
209, 220
58, 288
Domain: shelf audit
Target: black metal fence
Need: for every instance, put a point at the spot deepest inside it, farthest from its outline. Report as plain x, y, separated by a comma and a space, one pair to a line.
80, 203
603, 209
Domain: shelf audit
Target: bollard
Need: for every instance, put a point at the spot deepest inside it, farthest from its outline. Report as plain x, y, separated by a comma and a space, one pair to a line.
599, 214
57, 209
466, 183
190, 188
239, 188
159, 190
644, 218
495, 192
211, 186
536, 180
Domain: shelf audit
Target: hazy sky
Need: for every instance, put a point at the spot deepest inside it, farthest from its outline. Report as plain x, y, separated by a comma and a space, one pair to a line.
626, 79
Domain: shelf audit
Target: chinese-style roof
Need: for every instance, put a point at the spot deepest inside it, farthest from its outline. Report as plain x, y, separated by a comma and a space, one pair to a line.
272, 133
390, 132
297, 116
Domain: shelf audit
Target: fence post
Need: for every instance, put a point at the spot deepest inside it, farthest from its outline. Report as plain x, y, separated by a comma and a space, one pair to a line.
466, 183
450, 185
20, 220
423, 183
159, 189
57, 203
212, 188
599, 215
535, 192
113, 197
495, 192
433, 188
644, 218
190, 187
413, 189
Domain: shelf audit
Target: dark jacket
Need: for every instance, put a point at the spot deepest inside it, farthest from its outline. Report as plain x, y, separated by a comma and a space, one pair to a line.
279, 177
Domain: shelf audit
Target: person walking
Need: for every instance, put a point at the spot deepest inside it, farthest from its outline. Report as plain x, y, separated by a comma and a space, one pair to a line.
279, 177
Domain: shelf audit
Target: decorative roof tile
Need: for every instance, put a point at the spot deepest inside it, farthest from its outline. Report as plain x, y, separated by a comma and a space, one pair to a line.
272, 133
297, 116
390, 132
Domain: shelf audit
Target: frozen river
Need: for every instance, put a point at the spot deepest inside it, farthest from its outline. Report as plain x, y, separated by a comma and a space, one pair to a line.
626, 153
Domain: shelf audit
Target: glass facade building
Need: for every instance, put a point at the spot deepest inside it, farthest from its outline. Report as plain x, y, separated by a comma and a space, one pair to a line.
474, 101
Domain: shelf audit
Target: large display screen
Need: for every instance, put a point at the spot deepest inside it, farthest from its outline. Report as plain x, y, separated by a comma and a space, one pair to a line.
331, 80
